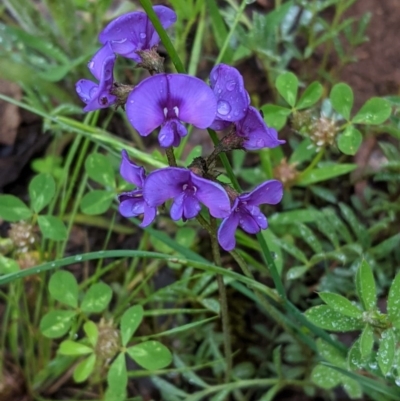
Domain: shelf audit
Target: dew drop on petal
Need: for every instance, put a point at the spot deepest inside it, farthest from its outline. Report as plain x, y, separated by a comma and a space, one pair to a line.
223, 108
260, 143
230, 85
142, 35
93, 92
78, 89
91, 64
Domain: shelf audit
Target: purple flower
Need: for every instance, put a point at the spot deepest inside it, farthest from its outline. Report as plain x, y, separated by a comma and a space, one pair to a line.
98, 96
134, 31
246, 212
256, 133
132, 203
232, 98
167, 99
187, 191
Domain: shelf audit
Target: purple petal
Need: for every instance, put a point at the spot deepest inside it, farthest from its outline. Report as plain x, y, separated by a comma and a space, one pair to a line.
171, 133
86, 89
167, 18
226, 232
193, 100
103, 98
258, 216
248, 223
164, 184
219, 125
176, 210
269, 192
131, 172
131, 204
191, 207
146, 103
257, 134
213, 196
232, 98
149, 215
95, 65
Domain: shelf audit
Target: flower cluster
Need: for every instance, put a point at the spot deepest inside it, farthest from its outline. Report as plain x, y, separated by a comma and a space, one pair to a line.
168, 101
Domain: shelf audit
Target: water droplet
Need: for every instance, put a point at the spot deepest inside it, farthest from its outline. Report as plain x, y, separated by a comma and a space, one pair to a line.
215, 75
397, 381
230, 85
373, 365
142, 35
78, 258
223, 108
91, 64
93, 92
78, 89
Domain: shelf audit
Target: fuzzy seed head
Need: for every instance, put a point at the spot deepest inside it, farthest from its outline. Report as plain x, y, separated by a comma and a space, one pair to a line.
108, 342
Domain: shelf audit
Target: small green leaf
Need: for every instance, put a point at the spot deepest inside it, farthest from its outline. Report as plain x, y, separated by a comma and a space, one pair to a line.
52, 228
375, 111
96, 202
117, 379
211, 304
303, 152
287, 85
42, 189
64, 288
342, 99
99, 169
84, 369
352, 388
325, 317
340, 304
393, 303
386, 351
310, 96
13, 209
130, 321
365, 286
96, 298
354, 358
324, 173
8, 265
151, 355
330, 353
326, 377
91, 331
350, 140
56, 323
74, 348
275, 116
366, 341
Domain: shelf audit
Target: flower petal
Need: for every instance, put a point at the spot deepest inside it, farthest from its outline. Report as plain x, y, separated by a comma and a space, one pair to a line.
149, 215
167, 18
232, 98
258, 216
194, 100
257, 134
86, 89
164, 184
269, 192
212, 195
131, 172
176, 210
171, 133
146, 103
226, 232
191, 207
219, 125
248, 223
131, 204
95, 65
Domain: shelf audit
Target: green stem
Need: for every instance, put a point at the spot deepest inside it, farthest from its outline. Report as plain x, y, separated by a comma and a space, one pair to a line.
171, 156
314, 162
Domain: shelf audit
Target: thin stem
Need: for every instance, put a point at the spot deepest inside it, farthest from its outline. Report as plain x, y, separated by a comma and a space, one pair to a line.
171, 156
314, 162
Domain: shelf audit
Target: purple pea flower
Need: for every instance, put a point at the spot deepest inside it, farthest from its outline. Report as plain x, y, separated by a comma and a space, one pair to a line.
256, 133
132, 203
187, 191
167, 99
98, 96
134, 31
246, 213
232, 98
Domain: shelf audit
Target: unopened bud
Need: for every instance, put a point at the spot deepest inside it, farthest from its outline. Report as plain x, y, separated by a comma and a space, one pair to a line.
151, 60
108, 342
286, 173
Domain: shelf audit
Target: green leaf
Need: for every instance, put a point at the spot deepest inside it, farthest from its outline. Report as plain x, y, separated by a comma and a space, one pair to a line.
74, 348
330, 353
354, 358
275, 116
287, 85
295, 272
310, 96
98, 167
84, 369
350, 140
8, 265
117, 379
13, 209
151, 355
52, 228
42, 189
56, 323
393, 303
91, 331
326, 377
96, 201
64, 288
340, 304
386, 351
352, 387
375, 111
324, 173
325, 317
130, 321
342, 99
96, 298
366, 341
303, 152
365, 286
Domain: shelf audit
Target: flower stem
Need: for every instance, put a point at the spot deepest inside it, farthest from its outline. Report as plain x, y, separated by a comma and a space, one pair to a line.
314, 162
171, 156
